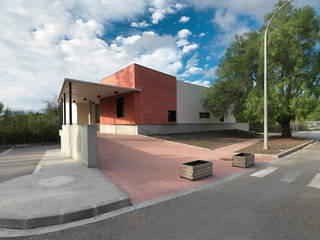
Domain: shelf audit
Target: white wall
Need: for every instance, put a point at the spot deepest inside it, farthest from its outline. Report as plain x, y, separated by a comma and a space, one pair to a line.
74, 113
189, 105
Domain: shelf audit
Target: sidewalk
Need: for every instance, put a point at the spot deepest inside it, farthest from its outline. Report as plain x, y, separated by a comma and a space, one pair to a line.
146, 168
62, 191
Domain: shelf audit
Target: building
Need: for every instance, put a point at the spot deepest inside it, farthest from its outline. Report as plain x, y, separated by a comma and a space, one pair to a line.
139, 100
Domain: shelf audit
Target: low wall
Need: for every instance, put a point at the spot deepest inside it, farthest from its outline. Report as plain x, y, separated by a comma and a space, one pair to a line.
80, 143
149, 129
119, 129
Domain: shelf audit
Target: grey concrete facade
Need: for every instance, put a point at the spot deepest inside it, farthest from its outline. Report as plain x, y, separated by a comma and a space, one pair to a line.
80, 143
149, 129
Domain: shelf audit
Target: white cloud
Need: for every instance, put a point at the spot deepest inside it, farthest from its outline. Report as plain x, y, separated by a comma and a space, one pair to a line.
211, 73
192, 67
39, 49
185, 44
142, 24
160, 8
189, 47
184, 33
184, 19
256, 9
193, 61
203, 83
202, 34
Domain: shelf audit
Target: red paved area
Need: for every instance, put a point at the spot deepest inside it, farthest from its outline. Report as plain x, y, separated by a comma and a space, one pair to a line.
146, 168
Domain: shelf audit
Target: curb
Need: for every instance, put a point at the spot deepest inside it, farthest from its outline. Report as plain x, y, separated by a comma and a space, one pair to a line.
65, 217
9, 232
285, 153
189, 145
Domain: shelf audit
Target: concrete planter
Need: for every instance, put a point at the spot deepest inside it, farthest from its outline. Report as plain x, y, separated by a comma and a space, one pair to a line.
244, 160
196, 169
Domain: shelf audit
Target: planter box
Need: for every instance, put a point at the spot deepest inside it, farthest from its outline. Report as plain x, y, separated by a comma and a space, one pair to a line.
244, 160
196, 169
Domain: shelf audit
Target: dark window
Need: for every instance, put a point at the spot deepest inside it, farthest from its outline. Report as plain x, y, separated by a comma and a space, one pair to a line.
222, 119
172, 116
204, 115
120, 107
97, 113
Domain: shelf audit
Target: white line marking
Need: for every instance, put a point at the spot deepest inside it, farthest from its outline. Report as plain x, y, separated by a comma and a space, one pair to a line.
264, 172
37, 169
315, 182
290, 176
6, 152
39, 165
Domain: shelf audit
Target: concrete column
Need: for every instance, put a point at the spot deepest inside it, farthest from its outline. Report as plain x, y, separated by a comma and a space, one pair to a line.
90, 106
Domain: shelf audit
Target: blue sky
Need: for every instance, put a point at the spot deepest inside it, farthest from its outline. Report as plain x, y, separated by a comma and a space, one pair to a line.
42, 42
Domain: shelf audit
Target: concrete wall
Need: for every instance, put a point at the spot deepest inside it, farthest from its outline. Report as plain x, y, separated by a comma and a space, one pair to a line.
149, 129
119, 129
80, 143
189, 105
183, 128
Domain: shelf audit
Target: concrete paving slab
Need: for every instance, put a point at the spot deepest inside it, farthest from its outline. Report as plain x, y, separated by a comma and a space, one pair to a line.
19, 161
62, 191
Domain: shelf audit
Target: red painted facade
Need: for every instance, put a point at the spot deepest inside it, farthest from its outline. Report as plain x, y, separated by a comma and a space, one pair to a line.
150, 106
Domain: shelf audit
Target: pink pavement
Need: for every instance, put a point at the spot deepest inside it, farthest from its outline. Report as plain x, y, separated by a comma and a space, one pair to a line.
146, 168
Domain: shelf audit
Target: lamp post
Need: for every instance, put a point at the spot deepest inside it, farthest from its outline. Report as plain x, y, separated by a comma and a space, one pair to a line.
265, 145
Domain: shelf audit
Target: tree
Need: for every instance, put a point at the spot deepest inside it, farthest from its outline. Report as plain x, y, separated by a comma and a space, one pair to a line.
293, 71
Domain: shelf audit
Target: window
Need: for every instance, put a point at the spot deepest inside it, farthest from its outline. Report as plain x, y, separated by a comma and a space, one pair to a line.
120, 107
97, 113
222, 119
204, 115
172, 116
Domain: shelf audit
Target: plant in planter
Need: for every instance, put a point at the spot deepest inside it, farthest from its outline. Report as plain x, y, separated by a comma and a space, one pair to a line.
196, 169
244, 160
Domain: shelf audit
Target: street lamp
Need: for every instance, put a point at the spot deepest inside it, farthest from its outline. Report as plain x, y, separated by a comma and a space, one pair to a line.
265, 145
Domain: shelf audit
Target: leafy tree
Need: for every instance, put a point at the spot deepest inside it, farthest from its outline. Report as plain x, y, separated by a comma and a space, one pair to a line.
293, 71
25, 127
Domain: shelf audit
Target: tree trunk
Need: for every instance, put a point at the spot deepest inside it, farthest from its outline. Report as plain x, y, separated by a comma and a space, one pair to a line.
285, 128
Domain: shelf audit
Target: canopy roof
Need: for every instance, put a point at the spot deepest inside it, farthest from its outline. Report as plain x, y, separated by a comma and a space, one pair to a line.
83, 91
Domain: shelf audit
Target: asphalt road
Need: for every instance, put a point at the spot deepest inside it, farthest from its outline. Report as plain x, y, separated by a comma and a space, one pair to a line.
281, 202
20, 161
308, 134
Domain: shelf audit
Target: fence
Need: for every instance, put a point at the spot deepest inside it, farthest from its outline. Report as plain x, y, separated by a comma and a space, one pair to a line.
305, 126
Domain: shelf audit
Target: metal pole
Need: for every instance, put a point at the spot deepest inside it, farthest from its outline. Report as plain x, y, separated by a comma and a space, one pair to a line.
70, 103
265, 145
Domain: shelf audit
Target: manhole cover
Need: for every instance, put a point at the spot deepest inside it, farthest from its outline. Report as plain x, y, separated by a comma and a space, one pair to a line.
55, 181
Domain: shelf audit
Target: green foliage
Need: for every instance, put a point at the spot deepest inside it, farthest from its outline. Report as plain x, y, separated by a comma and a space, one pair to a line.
315, 114
293, 70
18, 127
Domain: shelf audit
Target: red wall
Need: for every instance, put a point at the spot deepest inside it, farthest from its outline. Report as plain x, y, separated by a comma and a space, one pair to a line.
122, 78
150, 106
158, 95
108, 110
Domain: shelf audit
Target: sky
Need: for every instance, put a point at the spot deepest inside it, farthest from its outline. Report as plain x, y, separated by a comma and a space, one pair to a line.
44, 41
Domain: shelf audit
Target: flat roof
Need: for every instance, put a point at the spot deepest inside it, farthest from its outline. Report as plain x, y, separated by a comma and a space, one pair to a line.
83, 91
